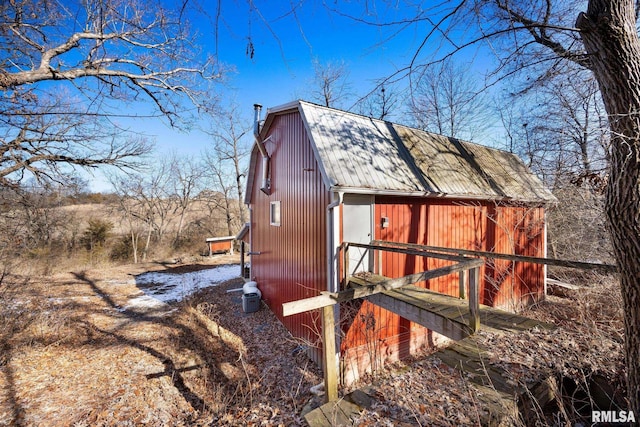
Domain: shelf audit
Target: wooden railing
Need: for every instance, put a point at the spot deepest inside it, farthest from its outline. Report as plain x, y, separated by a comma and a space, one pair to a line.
326, 300
468, 269
466, 262
462, 264
607, 268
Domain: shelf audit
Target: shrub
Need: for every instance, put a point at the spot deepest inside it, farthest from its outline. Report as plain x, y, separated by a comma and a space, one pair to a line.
122, 249
96, 233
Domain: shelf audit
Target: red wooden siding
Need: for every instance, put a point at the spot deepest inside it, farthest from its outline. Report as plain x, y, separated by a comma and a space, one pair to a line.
453, 224
292, 260
483, 226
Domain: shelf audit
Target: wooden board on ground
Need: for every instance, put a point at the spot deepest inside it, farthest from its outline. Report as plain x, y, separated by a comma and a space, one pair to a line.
503, 398
341, 412
561, 289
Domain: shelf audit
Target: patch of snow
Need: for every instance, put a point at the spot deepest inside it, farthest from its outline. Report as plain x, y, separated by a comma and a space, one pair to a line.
144, 302
164, 287
63, 300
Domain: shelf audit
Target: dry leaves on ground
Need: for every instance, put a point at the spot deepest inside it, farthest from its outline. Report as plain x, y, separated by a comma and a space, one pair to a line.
75, 352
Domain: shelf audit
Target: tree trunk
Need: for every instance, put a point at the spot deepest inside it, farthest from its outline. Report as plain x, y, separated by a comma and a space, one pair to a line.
185, 206
134, 247
227, 204
239, 174
147, 243
608, 30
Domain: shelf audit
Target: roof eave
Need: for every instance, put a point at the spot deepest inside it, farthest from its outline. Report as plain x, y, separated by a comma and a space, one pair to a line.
434, 195
243, 231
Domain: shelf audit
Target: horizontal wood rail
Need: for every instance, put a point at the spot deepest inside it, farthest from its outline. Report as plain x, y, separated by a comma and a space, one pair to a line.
331, 298
383, 246
423, 249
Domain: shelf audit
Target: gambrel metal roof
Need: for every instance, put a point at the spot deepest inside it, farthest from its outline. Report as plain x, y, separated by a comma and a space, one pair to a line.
359, 154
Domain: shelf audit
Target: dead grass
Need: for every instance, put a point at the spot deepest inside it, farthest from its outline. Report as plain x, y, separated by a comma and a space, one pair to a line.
72, 355
584, 355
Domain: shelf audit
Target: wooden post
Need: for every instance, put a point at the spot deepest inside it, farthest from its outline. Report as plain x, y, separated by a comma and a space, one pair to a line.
474, 299
463, 283
242, 259
330, 365
338, 272
345, 266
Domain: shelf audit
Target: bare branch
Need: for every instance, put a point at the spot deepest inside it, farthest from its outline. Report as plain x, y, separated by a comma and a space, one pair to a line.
97, 54
539, 32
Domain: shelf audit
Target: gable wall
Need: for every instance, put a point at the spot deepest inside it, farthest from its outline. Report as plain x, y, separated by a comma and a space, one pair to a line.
292, 260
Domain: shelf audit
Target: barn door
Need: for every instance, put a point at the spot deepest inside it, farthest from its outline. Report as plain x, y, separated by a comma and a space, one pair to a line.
357, 226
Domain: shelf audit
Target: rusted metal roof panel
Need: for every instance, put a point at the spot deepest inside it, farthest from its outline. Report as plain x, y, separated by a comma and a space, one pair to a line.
506, 174
360, 153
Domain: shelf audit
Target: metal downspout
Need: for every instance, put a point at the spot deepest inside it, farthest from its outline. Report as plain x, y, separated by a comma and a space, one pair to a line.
333, 285
266, 184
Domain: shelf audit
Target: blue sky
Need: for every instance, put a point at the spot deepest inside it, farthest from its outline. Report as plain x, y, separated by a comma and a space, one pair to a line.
285, 45
282, 66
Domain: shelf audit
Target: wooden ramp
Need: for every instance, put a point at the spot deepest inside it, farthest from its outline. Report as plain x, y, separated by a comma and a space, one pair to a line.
449, 316
441, 313
504, 400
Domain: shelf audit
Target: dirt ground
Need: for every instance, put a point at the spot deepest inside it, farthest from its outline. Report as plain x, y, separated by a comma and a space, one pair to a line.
75, 352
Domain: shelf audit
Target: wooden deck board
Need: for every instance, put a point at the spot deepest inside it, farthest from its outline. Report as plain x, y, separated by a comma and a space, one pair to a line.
478, 370
428, 317
333, 414
446, 314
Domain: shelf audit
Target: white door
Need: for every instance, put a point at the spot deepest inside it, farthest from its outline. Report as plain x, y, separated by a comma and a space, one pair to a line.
357, 221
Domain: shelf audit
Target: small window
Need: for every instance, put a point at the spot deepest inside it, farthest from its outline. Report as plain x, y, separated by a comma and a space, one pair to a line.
274, 213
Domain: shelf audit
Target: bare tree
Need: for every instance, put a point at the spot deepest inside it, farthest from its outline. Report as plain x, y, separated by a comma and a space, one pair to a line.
222, 198
146, 204
33, 217
380, 104
134, 212
156, 196
129, 212
186, 181
560, 129
66, 68
330, 83
215, 221
563, 135
446, 100
230, 147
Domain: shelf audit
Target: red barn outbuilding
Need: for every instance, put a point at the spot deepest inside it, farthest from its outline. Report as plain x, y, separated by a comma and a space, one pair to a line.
319, 177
